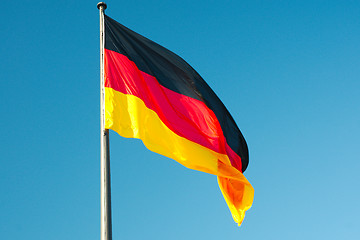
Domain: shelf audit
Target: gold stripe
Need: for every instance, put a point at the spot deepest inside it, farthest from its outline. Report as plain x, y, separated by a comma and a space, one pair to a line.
129, 117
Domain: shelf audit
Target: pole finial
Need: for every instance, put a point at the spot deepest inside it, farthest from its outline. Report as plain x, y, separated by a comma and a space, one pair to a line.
101, 4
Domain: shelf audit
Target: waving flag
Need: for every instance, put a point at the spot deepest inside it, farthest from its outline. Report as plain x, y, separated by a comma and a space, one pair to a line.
154, 95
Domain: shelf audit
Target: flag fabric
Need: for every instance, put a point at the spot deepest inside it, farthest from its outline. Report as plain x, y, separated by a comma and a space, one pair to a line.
154, 95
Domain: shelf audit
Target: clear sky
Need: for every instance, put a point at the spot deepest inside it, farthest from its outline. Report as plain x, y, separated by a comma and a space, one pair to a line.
288, 71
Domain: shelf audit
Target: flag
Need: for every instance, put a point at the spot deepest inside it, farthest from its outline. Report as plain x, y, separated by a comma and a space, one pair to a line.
154, 95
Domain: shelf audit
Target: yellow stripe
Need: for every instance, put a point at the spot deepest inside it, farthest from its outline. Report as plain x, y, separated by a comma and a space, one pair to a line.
128, 116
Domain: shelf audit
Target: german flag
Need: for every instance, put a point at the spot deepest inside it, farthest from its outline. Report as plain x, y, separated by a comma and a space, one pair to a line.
154, 95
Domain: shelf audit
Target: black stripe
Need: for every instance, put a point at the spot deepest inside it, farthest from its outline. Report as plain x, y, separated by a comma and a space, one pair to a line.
175, 74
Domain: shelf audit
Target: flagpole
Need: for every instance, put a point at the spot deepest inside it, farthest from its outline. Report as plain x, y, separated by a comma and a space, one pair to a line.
105, 198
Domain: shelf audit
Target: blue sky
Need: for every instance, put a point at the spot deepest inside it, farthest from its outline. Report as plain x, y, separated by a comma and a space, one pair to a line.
288, 71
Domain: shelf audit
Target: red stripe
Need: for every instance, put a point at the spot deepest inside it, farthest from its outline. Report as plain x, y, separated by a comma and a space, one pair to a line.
187, 117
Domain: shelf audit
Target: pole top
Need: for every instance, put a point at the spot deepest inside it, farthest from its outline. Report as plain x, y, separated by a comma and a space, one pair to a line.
101, 4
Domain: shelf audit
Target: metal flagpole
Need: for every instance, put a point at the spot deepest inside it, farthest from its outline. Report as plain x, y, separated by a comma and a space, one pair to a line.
105, 201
